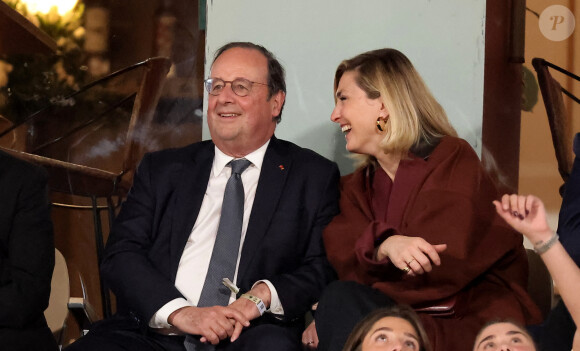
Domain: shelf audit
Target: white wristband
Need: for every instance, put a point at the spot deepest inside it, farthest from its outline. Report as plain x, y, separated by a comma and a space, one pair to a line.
258, 301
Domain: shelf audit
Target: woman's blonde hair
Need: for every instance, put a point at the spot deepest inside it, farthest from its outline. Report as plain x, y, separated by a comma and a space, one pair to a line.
416, 119
360, 331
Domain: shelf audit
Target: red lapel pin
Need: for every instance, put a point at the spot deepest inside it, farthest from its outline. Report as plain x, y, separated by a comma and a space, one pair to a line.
281, 167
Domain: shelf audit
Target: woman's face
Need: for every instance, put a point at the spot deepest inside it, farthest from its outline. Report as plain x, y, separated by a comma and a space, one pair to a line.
357, 116
391, 333
503, 336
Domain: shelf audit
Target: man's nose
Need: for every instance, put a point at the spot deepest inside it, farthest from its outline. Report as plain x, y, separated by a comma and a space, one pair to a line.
227, 94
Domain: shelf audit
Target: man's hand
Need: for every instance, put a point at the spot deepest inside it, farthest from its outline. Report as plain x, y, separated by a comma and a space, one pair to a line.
248, 308
212, 323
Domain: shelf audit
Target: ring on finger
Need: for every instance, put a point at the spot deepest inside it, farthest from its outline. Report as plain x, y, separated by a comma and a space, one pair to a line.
406, 269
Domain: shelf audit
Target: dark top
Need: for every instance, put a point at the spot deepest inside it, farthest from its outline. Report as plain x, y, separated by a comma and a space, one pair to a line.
26, 253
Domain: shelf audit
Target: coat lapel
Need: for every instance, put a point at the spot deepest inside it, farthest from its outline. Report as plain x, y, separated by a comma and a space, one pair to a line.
277, 165
192, 186
408, 181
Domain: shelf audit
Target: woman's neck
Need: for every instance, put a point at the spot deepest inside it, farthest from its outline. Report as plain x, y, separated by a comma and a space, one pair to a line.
389, 163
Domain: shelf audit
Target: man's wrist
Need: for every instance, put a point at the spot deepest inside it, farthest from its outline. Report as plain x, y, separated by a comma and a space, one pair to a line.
173, 314
161, 318
259, 303
262, 291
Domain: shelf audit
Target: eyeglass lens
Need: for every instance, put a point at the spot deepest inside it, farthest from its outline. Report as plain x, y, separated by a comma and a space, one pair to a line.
240, 86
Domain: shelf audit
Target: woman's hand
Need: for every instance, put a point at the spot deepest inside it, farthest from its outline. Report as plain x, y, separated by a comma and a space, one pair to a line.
310, 337
413, 255
527, 215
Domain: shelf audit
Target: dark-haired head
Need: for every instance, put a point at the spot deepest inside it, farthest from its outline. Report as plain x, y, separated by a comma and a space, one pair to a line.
276, 73
500, 332
365, 328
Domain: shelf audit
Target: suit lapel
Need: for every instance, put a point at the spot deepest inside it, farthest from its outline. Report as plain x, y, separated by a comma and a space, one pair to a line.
192, 186
277, 165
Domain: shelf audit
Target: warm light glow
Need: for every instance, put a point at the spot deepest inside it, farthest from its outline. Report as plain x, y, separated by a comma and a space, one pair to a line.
44, 6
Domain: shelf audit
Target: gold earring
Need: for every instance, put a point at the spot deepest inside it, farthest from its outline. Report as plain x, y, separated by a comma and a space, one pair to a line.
381, 123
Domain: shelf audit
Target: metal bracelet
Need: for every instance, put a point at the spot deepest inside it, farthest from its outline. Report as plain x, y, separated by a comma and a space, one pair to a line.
547, 245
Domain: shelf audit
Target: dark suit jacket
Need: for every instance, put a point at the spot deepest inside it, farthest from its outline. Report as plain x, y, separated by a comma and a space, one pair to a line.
296, 198
569, 219
26, 254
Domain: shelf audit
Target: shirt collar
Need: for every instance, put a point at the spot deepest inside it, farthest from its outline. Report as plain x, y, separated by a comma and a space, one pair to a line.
220, 159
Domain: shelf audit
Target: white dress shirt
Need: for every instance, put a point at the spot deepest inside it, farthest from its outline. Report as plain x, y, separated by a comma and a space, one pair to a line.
194, 262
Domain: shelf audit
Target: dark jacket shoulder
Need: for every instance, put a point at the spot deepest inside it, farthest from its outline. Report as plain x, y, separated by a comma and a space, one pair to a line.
181, 154
15, 168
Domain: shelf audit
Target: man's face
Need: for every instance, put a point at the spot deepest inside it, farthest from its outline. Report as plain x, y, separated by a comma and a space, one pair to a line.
239, 125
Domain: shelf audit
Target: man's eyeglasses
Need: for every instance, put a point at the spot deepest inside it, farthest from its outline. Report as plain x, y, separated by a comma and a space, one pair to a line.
240, 86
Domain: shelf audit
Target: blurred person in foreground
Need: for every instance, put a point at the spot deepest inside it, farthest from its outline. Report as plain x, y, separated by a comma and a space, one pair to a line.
391, 328
556, 332
527, 215
503, 335
26, 256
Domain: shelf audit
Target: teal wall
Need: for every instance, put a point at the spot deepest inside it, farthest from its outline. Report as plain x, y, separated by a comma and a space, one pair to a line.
444, 39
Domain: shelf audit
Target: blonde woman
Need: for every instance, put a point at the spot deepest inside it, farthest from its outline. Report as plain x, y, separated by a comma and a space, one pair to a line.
416, 225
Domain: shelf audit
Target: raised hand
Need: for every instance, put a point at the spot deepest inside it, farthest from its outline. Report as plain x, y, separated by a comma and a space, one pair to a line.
527, 215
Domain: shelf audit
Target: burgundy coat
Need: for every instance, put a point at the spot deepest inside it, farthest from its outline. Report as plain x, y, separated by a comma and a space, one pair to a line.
445, 198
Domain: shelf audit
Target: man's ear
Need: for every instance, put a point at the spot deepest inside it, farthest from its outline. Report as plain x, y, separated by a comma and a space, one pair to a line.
277, 101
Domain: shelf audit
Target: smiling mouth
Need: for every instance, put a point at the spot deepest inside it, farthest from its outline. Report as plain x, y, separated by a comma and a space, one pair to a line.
228, 114
346, 128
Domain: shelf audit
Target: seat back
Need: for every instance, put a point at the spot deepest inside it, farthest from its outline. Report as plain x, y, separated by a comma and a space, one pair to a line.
144, 111
92, 138
57, 310
559, 121
13, 140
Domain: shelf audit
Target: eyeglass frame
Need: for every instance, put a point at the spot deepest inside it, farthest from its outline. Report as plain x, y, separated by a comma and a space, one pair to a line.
210, 80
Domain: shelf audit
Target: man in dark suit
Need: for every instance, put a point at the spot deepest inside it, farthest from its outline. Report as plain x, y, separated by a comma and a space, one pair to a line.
26, 256
160, 248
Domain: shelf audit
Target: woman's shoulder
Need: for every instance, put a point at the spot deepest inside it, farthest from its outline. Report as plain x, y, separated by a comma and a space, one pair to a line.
456, 168
455, 151
454, 144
